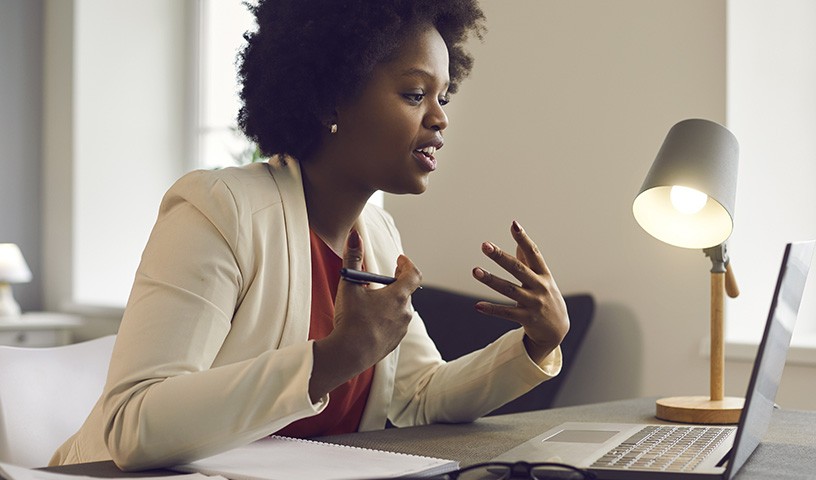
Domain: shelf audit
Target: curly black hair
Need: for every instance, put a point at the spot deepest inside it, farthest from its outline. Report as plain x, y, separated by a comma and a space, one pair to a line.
305, 55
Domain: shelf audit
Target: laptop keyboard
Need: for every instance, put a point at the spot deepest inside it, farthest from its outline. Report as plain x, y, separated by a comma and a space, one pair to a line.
665, 447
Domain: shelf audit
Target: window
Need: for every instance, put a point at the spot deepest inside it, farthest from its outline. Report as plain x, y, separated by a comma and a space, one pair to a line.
128, 113
127, 131
222, 24
147, 108
772, 111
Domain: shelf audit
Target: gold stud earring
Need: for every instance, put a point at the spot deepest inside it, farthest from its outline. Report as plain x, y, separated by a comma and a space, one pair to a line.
333, 128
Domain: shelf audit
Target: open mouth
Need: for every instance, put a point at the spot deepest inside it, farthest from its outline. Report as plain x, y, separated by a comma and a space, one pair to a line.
428, 152
425, 156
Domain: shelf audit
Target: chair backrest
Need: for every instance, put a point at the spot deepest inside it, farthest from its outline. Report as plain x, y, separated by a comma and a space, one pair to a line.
45, 396
457, 329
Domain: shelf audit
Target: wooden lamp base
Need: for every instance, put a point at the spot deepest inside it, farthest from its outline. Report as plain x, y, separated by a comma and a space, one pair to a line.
700, 410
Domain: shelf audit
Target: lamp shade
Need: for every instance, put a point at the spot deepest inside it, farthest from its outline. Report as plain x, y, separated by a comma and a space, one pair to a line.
688, 196
13, 267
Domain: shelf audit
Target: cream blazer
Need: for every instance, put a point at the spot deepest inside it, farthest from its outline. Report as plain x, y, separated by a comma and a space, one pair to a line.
213, 348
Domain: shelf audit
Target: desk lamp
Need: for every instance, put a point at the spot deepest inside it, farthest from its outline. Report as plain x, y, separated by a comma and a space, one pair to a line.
687, 200
13, 269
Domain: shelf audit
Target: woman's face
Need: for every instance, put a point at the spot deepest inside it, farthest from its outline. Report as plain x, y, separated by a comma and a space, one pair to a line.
387, 136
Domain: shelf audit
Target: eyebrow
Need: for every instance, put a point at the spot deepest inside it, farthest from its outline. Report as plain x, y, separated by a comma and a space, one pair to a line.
418, 72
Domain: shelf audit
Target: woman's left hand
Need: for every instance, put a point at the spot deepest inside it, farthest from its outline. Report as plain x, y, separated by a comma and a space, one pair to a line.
539, 307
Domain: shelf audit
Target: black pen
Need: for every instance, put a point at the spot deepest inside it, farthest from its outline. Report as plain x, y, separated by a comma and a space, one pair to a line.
357, 276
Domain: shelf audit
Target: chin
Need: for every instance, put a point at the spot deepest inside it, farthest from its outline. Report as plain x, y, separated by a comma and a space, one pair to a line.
422, 183
407, 191
420, 187
414, 188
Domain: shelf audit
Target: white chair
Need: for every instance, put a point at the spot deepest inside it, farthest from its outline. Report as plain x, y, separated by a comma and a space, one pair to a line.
45, 396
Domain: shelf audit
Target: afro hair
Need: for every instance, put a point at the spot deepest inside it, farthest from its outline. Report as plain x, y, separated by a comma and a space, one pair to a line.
305, 55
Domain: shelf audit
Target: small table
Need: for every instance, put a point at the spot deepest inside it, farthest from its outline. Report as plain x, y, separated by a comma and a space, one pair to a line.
38, 329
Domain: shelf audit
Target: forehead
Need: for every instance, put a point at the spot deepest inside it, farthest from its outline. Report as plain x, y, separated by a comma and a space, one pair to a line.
421, 53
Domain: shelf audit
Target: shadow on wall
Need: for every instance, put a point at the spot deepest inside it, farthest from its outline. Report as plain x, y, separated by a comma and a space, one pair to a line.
610, 363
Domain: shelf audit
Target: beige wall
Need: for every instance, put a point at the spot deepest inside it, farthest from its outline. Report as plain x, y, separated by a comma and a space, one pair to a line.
564, 112
561, 118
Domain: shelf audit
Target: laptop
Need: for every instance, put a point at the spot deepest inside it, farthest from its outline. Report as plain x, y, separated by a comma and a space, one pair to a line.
615, 451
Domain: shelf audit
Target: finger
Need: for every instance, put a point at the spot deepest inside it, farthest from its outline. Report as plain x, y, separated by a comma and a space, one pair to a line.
407, 274
530, 252
507, 312
513, 265
353, 253
520, 255
502, 286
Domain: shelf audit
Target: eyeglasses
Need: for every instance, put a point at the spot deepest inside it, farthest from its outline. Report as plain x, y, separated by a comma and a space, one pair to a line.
519, 471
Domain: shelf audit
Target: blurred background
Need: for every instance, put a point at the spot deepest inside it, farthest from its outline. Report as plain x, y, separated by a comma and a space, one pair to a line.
104, 103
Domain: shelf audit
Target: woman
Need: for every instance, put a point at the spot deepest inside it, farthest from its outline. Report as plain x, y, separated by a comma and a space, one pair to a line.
238, 325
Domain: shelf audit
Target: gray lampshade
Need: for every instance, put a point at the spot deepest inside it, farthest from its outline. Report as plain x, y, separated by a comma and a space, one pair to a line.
697, 154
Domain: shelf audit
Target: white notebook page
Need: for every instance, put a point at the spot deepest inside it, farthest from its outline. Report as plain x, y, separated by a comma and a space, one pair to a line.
284, 458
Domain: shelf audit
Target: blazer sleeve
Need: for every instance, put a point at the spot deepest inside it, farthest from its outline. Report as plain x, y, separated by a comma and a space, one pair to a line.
164, 402
429, 390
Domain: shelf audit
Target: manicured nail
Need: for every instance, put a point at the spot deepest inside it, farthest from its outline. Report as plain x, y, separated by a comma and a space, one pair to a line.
488, 247
516, 227
354, 239
478, 273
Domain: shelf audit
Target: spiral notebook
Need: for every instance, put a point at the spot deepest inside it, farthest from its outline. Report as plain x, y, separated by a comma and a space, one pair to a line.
285, 458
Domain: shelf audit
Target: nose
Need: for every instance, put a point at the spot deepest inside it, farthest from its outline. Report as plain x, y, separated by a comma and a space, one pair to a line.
435, 118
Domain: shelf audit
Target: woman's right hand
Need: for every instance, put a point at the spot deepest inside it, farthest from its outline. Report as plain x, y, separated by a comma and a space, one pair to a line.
369, 322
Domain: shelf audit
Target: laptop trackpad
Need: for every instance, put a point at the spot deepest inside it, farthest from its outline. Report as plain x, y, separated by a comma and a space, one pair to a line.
582, 436
576, 443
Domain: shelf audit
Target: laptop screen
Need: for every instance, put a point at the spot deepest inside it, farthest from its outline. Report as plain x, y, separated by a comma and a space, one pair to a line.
770, 359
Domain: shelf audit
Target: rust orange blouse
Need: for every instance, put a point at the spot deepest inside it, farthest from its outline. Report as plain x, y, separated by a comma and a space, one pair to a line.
346, 404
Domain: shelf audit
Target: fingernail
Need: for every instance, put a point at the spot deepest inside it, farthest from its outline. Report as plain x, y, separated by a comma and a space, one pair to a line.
480, 307
478, 273
516, 227
488, 247
354, 239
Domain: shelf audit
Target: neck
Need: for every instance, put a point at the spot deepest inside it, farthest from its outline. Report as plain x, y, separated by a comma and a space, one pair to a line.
332, 204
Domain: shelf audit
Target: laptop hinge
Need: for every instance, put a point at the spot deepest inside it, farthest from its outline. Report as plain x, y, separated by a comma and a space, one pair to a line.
724, 460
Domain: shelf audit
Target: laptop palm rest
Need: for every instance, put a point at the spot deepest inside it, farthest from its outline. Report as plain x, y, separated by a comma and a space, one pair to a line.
575, 443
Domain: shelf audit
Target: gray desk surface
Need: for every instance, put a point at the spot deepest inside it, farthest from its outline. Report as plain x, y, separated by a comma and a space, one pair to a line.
788, 450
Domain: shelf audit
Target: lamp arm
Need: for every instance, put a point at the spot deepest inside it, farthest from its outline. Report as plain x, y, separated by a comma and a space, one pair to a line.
717, 376
719, 257
721, 263
731, 287
722, 280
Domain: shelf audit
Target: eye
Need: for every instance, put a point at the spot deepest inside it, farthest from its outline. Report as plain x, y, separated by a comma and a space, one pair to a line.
414, 98
444, 100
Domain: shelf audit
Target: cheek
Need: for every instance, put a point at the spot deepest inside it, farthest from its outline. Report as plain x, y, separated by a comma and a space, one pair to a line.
395, 131
385, 124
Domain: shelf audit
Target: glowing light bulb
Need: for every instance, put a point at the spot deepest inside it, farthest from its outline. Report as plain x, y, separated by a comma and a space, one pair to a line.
687, 200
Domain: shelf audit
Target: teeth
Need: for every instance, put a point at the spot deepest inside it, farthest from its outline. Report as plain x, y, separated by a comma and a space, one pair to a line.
427, 150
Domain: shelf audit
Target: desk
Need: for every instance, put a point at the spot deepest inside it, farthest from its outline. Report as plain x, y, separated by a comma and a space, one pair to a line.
788, 450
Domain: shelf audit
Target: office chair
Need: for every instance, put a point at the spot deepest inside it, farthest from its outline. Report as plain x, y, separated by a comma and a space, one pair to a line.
45, 396
457, 329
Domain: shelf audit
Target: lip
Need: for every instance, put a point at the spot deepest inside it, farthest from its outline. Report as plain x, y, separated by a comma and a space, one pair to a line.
436, 142
427, 162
